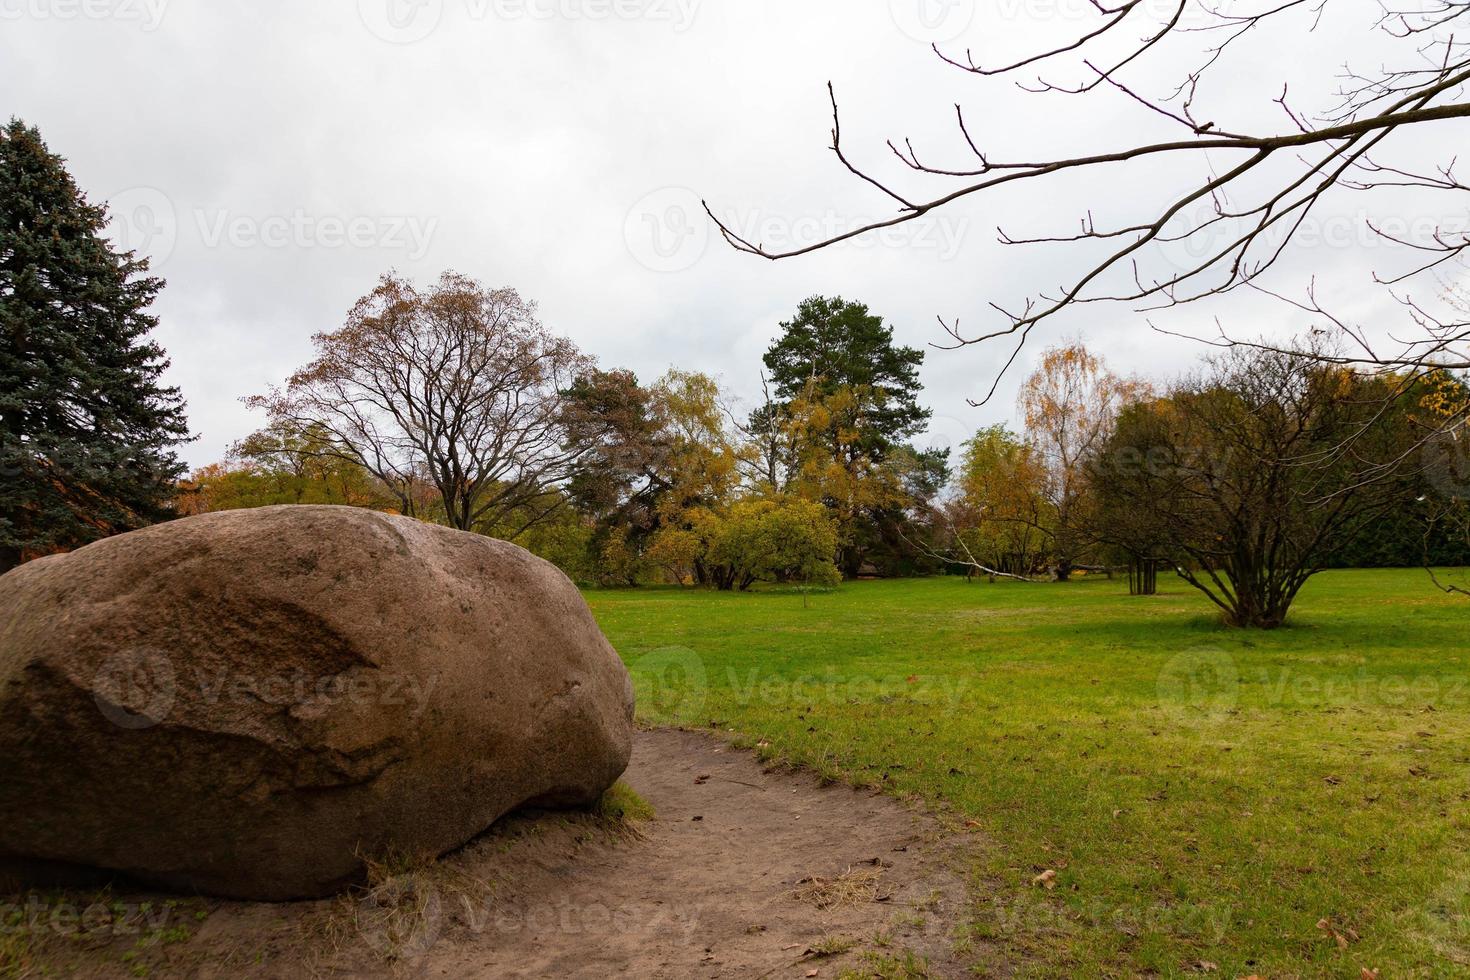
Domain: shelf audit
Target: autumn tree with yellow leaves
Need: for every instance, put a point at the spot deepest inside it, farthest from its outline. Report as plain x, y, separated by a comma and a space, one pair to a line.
1070, 404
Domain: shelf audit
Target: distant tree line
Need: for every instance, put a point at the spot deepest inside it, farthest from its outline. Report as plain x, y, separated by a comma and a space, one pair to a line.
453, 403
1245, 478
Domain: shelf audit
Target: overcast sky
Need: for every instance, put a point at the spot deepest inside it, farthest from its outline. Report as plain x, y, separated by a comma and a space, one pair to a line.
274, 158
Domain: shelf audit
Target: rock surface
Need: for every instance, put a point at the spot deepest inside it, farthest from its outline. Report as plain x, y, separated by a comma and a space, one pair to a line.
250, 703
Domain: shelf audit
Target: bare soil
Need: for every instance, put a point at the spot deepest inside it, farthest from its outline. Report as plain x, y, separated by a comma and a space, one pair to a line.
744, 871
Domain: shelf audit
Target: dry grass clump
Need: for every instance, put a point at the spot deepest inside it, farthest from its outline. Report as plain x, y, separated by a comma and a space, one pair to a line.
855, 886
401, 910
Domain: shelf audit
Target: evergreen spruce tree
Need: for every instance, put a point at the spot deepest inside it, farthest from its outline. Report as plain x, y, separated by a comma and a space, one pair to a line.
87, 432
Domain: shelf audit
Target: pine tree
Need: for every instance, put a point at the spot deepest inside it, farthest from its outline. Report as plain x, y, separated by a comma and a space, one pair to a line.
87, 432
846, 403
841, 344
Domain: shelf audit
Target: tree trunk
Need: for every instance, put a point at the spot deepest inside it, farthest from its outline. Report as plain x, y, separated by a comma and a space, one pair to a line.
1143, 576
1259, 602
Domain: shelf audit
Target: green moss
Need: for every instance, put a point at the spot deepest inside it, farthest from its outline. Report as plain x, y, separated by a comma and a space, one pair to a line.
620, 805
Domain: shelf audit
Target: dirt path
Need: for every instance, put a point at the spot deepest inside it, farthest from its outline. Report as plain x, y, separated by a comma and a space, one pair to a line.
741, 873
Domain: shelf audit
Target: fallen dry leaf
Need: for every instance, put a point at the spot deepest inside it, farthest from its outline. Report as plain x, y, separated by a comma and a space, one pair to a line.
1341, 938
1047, 879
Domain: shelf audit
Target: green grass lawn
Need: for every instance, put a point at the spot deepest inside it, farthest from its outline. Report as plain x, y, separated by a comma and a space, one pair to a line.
1205, 795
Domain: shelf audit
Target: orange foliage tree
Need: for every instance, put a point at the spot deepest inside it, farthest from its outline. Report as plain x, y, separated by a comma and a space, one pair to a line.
1070, 404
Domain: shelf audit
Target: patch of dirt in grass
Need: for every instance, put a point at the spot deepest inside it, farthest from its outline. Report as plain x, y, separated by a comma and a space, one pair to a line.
740, 870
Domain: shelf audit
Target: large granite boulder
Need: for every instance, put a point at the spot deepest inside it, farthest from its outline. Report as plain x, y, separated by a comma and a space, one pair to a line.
249, 704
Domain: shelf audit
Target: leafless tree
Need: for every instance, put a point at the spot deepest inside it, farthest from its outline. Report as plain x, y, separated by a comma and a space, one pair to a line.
1258, 188
459, 387
769, 442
